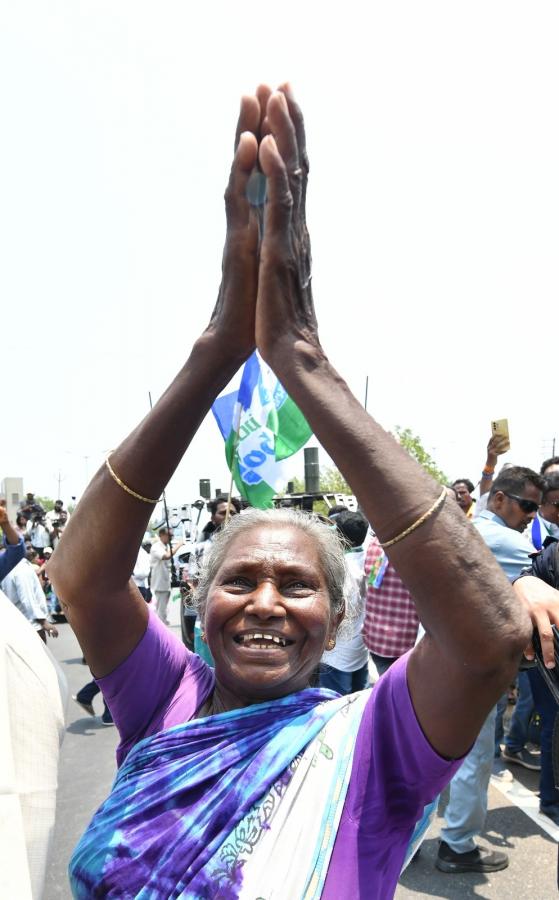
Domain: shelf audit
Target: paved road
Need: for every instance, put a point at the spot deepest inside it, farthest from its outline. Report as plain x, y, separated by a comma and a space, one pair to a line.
87, 769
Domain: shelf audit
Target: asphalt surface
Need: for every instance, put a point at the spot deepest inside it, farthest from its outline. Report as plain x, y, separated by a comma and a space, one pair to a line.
87, 768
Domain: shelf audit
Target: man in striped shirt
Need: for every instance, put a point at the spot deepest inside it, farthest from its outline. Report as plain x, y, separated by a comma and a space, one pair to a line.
391, 622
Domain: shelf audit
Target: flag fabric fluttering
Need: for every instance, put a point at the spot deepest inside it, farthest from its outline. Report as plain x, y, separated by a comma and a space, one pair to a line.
261, 427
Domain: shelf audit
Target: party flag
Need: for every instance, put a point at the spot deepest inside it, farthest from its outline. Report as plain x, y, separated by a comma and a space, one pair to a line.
261, 427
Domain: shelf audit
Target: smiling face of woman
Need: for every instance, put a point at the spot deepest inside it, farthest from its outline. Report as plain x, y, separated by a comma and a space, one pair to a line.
268, 615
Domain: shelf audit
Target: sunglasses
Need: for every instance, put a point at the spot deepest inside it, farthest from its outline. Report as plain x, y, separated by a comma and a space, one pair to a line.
552, 503
527, 506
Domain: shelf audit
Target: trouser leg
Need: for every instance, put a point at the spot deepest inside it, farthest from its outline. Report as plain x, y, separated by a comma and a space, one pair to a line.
467, 806
88, 692
382, 663
335, 679
162, 602
547, 708
499, 728
360, 679
520, 721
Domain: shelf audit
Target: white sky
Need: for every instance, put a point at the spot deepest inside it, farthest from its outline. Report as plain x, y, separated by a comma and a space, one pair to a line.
433, 205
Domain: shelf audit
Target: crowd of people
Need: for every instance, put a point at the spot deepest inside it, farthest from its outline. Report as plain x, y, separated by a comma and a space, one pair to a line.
269, 766
27, 584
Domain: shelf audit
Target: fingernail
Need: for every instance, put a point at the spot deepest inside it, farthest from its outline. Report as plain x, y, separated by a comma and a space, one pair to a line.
286, 87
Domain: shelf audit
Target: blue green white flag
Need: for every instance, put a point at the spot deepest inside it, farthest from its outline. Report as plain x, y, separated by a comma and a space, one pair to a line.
261, 427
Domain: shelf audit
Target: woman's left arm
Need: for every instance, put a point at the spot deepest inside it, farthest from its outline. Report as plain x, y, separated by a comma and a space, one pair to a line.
476, 627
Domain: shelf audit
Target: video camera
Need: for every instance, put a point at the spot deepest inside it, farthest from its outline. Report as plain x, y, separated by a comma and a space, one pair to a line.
37, 514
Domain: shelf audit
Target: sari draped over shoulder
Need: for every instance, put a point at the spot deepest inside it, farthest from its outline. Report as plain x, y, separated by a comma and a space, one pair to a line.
241, 804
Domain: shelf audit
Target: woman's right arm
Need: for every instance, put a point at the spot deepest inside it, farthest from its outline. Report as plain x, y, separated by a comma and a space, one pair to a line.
92, 565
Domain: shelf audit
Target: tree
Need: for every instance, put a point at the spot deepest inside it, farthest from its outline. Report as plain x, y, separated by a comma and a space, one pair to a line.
415, 448
46, 503
332, 480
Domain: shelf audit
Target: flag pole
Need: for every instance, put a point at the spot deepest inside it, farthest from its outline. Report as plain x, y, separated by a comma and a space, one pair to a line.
235, 445
174, 576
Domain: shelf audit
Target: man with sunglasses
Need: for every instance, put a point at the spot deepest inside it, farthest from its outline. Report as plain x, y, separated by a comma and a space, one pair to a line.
546, 523
513, 503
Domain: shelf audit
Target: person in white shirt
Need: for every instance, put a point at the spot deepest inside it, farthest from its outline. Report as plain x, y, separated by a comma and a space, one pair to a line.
23, 588
160, 556
345, 668
33, 696
56, 521
141, 573
38, 533
219, 508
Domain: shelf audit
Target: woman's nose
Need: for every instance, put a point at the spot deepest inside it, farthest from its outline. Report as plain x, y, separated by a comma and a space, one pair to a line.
265, 600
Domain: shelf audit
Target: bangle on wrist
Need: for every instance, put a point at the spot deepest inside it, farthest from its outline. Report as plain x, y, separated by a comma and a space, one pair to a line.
487, 473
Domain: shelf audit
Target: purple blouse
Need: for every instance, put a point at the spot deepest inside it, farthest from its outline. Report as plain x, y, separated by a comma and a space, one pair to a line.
395, 770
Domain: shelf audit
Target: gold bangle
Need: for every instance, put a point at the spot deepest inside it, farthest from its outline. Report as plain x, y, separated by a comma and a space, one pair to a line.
432, 509
125, 487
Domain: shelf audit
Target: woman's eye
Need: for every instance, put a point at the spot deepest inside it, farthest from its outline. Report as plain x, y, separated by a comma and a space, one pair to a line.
237, 581
298, 586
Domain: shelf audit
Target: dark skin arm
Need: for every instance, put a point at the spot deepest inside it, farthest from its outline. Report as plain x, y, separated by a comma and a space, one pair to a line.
12, 537
103, 606
476, 627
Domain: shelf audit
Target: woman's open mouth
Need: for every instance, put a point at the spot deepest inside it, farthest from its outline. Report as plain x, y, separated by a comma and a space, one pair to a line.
261, 640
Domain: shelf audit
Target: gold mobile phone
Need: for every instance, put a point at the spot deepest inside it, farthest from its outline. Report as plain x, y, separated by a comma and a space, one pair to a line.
501, 428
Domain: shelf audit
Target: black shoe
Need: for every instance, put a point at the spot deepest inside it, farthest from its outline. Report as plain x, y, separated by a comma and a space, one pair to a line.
479, 860
532, 761
552, 812
87, 706
106, 718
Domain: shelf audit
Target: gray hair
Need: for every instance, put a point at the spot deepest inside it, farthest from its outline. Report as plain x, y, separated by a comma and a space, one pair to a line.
328, 543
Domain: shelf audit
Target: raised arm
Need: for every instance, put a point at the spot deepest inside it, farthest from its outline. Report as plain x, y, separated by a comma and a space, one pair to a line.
476, 628
15, 549
10, 534
496, 446
92, 565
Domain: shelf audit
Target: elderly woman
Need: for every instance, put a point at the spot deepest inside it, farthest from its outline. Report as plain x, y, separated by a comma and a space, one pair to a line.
246, 782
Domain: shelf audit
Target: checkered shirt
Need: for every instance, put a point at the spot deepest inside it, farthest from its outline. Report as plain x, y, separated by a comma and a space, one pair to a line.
391, 621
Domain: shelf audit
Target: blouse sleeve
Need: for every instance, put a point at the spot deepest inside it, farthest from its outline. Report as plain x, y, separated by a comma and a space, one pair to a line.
396, 772
142, 689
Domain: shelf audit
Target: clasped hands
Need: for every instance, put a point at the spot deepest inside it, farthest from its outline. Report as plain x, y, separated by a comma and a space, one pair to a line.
265, 298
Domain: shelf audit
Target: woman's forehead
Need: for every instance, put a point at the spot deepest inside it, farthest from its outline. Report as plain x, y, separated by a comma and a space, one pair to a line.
285, 543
